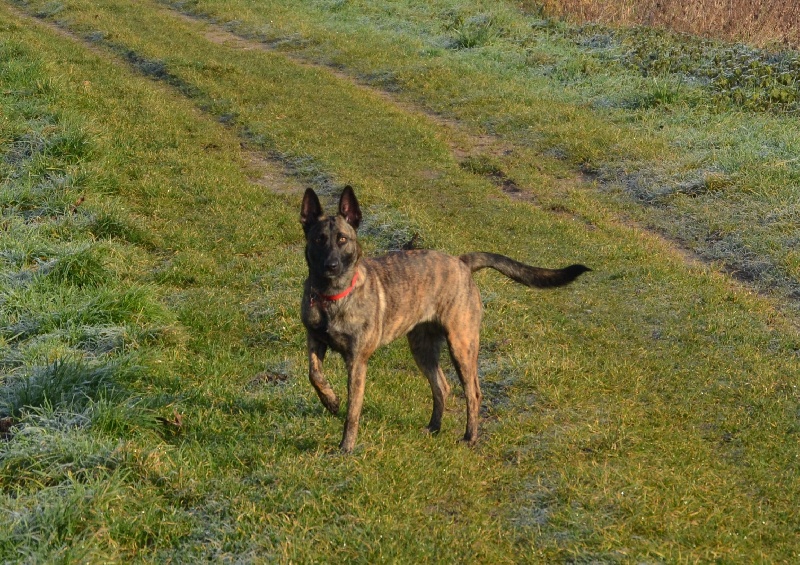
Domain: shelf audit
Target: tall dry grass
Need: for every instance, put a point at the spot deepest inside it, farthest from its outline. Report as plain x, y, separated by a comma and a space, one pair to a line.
765, 23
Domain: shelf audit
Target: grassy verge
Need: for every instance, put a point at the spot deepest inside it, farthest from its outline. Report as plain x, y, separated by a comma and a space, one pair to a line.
648, 413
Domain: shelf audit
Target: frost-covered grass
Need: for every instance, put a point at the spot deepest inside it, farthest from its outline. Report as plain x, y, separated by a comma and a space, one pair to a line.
154, 365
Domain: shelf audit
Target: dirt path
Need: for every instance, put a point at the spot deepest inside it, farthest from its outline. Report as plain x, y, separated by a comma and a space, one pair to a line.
466, 146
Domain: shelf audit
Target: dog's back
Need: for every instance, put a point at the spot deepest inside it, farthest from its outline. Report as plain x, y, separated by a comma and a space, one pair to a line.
421, 286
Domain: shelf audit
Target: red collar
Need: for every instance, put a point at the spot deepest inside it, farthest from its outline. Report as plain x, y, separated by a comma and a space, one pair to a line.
335, 297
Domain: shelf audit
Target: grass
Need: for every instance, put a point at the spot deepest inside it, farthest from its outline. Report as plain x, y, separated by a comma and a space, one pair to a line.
642, 111
73, 329
648, 413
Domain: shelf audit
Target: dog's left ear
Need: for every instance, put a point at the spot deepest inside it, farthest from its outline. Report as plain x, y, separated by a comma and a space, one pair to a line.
348, 207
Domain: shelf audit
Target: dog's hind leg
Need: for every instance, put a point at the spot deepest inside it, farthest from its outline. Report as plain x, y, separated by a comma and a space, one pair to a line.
426, 342
316, 354
464, 352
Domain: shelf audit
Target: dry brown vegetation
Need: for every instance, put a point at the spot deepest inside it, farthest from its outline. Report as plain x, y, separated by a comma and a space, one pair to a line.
766, 23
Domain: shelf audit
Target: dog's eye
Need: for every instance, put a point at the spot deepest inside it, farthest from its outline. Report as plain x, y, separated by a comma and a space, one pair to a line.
319, 240
342, 239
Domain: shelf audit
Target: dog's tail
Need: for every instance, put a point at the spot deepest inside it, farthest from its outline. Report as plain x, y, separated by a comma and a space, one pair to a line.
524, 274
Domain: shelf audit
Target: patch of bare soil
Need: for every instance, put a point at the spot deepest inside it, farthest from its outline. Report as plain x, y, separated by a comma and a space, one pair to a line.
270, 174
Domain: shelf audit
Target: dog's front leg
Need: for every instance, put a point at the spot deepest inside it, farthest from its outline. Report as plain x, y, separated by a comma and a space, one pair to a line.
316, 354
356, 379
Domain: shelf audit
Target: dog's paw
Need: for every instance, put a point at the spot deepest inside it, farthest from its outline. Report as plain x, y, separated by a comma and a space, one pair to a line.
332, 405
470, 440
431, 430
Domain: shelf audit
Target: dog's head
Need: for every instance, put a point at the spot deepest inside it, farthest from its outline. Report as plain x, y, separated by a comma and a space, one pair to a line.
332, 248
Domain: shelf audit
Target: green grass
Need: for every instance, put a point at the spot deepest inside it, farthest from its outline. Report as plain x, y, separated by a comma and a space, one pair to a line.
152, 354
75, 330
642, 111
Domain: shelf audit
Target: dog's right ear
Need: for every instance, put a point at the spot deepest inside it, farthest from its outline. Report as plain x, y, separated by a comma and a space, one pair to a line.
311, 210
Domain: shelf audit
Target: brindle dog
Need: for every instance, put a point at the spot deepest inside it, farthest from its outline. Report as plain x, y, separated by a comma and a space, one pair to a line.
355, 304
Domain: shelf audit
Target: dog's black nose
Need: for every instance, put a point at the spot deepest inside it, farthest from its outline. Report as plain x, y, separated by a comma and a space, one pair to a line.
331, 264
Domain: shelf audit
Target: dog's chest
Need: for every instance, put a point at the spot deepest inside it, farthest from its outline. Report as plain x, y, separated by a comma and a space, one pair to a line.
329, 324
339, 339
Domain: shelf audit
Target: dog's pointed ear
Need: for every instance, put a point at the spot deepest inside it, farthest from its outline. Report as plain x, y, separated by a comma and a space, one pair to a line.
311, 210
348, 207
